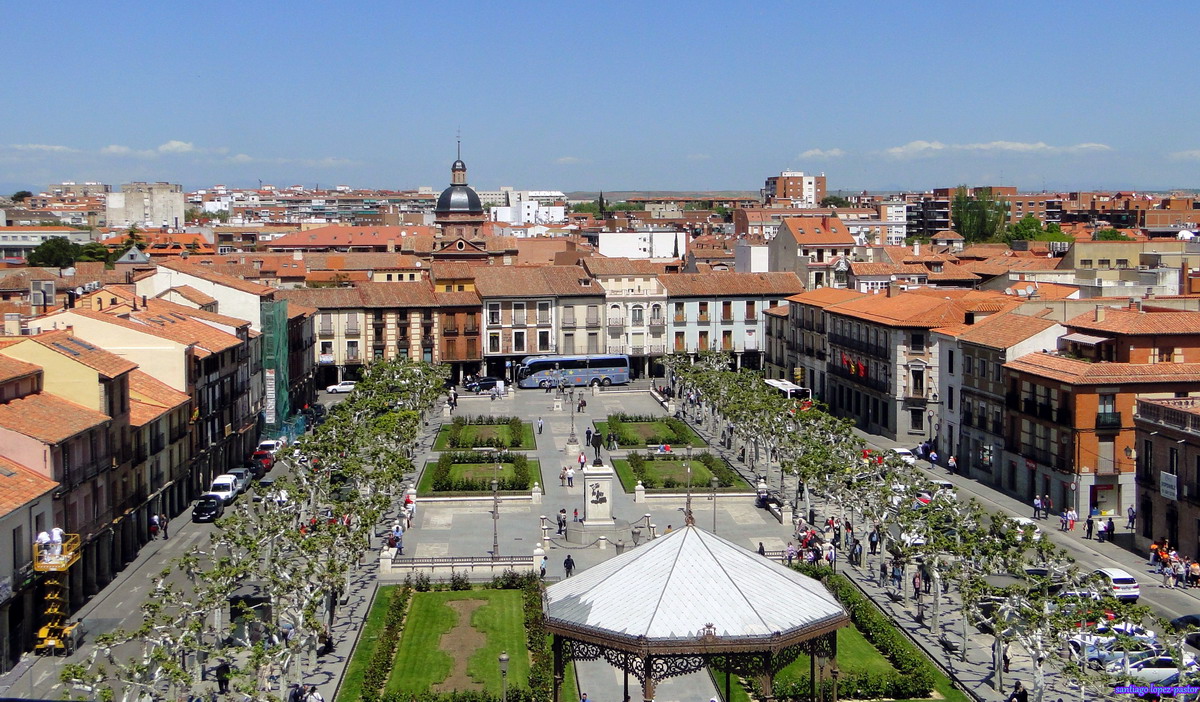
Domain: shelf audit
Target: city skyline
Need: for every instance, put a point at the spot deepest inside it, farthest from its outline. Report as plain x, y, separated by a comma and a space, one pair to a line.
612, 97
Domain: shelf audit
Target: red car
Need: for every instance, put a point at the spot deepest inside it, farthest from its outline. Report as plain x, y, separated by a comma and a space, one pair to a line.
264, 457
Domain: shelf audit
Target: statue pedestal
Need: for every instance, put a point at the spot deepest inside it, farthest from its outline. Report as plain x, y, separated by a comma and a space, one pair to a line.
558, 404
572, 447
597, 514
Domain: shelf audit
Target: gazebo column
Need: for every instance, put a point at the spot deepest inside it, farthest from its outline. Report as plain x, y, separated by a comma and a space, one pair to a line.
647, 679
556, 645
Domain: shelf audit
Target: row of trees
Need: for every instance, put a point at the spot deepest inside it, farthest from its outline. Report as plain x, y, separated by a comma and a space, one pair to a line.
295, 550
920, 525
981, 215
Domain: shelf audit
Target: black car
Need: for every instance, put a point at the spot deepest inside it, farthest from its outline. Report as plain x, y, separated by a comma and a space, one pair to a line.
481, 384
208, 508
1186, 622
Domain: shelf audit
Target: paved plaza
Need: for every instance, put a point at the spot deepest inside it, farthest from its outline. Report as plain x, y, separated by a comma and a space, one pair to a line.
463, 527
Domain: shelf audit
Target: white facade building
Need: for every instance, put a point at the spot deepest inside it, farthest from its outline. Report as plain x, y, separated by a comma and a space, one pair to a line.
643, 244
146, 204
751, 258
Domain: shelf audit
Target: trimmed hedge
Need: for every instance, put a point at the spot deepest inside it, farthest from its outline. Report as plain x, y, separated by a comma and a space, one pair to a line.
678, 431
637, 463
914, 674
376, 674
454, 433
443, 481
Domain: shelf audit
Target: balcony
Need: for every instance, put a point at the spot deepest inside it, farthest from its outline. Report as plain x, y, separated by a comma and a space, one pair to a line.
997, 428
353, 330
821, 354
324, 331
867, 382
592, 322
679, 319
449, 331
727, 319
471, 328
968, 419
658, 322
1044, 411
1062, 416
751, 319
702, 318
568, 323
352, 356
544, 320
378, 323
1180, 413
615, 322
1108, 420
1029, 406
518, 320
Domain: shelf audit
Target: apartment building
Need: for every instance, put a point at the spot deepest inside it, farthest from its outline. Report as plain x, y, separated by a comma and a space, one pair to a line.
808, 344
146, 204
382, 321
794, 189
817, 249
538, 310
28, 510
635, 303
1167, 454
973, 414
723, 311
776, 350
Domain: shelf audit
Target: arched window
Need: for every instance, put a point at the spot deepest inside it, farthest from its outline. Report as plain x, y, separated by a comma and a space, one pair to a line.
636, 315
656, 312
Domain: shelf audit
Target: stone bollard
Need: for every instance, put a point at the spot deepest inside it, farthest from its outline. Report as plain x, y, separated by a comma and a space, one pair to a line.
653, 536
558, 404
671, 407
639, 492
537, 494
446, 410
595, 390
785, 513
603, 543
538, 552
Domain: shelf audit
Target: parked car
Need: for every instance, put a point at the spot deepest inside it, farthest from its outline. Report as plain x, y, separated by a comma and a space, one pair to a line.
1186, 622
905, 455
265, 457
209, 508
344, 386
1152, 668
243, 478
271, 446
1028, 526
484, 384
263, 488
225, 487
256, 469
1120, 584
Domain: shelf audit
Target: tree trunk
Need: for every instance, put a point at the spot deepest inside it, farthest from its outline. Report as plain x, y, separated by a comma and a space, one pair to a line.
997, 664
1039, 678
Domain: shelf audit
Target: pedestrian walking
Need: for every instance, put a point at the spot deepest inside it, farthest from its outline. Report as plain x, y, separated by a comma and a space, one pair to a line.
562, 477
1111, 531
1132, 514
1088, 526
571, 477
313, 695
569, 565
576, 517
791, 553
1167, 573
1072, 517
873, 540
762, 550
545, 562
162, 525
856, 553
1047, 505
1037, 507
587, 437
933, 458
952, 464
539, 425
153, 527
1062, 521
916, 583
223, 672
1100, 529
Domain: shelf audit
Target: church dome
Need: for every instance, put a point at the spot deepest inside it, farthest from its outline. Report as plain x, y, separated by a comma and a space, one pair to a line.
459, 199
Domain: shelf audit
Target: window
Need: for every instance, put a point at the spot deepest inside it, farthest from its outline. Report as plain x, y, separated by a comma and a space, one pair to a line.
950, 398
916, 418
750, 311
1085, 263
918, 343
637, 315
543, 313
726, 310
680, 344
568, 343
519, 314
1105, 263
1122, 263
968, 365
18, 547
518, 342
493, 313
997, 371
543, 340
1173, 460
351, 350
493, 343
703, 311
593, 342
950, 364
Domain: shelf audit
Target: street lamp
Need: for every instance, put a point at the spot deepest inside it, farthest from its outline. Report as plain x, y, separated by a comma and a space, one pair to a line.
822, 661
688, 519
504, 676
715, 484
495, 517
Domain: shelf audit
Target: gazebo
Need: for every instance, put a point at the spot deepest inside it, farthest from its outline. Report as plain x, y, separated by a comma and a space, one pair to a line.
687, 600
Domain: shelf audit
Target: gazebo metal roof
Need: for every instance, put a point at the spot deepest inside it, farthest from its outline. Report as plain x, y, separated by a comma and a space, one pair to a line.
691, 591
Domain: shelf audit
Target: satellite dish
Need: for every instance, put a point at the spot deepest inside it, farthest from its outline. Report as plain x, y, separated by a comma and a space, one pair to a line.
893, 278
78, 291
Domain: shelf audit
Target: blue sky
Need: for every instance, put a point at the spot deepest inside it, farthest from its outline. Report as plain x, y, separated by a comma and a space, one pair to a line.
607, 95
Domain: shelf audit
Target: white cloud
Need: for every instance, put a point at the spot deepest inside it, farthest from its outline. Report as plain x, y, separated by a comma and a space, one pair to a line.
175, 146
823, 153
1190, 155
567, 160
241, 158
698, 157
921, 148
55, 148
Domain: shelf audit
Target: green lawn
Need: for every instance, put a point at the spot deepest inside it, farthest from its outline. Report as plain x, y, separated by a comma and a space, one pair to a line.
645, 430
368, 641
473, 434
674, 468
476, 470
420, 661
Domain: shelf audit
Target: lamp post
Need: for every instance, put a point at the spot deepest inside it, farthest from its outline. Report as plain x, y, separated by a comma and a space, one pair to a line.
495, 517
821, 660
504, 676
688, 519
715, 484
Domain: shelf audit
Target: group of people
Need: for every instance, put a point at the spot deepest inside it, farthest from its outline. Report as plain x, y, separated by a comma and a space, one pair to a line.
158, 525
50, 543
1176, 570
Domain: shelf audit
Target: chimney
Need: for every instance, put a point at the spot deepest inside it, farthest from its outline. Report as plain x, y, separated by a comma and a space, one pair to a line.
1099, 313
297, 255
1135, 304
893, 289
1149, 293
916, 248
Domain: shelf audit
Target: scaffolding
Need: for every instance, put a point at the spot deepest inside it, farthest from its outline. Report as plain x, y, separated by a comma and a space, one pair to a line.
277, 404
57, 634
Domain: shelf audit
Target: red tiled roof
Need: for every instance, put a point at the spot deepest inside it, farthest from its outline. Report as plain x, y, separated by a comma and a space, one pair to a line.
1004, 329
723, 284
777, 310
19, 486
103, 362
817, 231
824, 297
1151, 321
11, 368
191, 294
338, 236
206, 273
922, 308
1070, 370
150, 398
47, 418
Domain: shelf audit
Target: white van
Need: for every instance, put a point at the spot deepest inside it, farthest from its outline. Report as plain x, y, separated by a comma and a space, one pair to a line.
225, 486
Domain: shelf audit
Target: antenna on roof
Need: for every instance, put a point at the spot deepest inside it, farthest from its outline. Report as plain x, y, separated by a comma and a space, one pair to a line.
458, 139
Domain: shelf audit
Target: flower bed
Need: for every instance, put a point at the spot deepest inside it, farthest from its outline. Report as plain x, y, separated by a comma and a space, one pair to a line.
667, 472
471, 471
638, 431
485, 431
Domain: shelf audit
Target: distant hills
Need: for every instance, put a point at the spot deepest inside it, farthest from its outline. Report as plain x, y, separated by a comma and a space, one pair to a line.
619, 195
